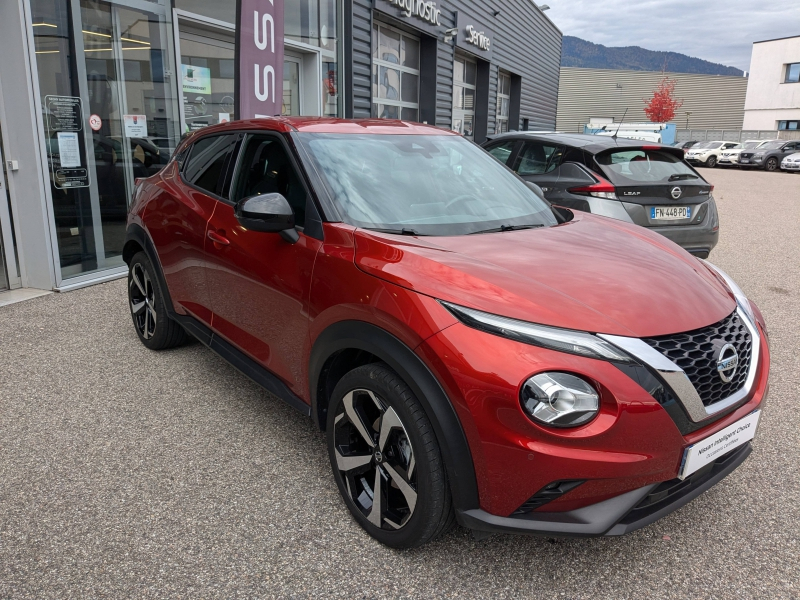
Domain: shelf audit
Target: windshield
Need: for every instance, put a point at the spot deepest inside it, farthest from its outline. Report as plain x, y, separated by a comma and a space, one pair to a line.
751, 145
634, 167
422, 184
771, 145
706, 145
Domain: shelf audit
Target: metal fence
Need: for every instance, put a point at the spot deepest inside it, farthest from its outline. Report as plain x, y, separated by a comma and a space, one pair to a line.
734, 135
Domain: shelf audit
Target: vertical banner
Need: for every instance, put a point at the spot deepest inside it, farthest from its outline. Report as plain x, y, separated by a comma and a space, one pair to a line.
259, 58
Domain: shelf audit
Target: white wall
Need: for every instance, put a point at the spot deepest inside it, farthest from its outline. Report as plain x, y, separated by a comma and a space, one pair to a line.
768, 99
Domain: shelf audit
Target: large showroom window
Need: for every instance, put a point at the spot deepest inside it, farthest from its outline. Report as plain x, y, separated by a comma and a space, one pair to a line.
465, 79
395, 74
503, 102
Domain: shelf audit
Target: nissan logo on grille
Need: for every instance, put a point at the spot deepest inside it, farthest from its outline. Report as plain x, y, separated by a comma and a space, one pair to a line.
727, 361
676, 192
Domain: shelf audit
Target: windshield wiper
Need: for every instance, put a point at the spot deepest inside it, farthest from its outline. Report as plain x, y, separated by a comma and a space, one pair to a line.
508, 228
678, 176
403, 231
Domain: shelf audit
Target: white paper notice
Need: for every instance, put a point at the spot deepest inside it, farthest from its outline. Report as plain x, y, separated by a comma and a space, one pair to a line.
224, 117
135, 126
68, 149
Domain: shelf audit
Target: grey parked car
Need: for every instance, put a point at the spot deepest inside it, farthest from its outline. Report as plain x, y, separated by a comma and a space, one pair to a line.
630, 180
769, 156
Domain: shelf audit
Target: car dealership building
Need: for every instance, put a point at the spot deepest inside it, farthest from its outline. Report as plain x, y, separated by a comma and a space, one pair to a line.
95, 94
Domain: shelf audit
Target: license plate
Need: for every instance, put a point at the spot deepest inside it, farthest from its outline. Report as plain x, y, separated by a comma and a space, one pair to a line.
706, 451
666, 213
744, 160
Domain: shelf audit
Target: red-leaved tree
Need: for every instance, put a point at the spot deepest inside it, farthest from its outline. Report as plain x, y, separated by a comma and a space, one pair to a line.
662, 106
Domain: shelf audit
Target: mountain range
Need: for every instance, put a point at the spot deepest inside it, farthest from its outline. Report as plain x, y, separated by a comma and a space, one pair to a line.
580, 53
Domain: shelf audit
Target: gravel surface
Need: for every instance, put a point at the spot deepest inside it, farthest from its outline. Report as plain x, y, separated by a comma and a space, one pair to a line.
130, 473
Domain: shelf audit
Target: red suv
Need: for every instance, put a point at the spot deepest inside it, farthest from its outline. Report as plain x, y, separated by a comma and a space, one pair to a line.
471, 353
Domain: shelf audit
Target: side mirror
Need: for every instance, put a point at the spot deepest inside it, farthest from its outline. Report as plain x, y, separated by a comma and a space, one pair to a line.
268, 213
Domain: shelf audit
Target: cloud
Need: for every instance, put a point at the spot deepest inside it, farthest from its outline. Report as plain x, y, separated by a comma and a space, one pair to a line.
721, 32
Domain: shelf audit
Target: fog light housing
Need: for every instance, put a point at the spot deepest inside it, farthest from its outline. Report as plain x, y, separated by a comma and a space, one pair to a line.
559, 400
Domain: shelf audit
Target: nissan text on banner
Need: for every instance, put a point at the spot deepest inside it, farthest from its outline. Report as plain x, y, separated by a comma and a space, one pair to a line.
259, 58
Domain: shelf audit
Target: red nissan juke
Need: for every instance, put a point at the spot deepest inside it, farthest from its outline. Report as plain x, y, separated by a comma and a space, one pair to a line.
472, 353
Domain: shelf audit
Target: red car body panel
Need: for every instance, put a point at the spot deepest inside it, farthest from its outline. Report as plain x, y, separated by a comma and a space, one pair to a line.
177, 218
273, 300
260, 292
592, 274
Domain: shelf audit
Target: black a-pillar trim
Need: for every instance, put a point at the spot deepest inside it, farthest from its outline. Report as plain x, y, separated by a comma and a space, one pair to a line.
480, 127
428, 58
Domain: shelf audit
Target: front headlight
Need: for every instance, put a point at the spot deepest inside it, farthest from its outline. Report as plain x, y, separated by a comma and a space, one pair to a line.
552, 338
559, 400
758, 155
738, 294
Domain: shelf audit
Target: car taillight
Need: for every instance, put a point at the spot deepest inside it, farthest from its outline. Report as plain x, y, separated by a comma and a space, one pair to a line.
601, 189
651, 147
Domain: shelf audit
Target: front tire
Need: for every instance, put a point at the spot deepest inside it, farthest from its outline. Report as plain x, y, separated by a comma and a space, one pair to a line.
771, 164
148, 311
386, 459
711, 162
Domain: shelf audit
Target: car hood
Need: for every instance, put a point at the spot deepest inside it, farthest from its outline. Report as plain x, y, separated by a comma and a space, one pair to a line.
591, 274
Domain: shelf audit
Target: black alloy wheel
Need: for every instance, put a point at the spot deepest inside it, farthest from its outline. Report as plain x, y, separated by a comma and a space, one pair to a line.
386, 460
771, 164
153, 325
711, 162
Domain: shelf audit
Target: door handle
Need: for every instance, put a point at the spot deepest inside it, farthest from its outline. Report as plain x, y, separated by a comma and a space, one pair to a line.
218, 239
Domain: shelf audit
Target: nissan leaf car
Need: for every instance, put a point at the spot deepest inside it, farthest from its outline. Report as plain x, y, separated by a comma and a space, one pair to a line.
471, 354
629, 180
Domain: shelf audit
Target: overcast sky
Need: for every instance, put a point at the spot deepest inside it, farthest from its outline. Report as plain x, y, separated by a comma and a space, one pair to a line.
722, 31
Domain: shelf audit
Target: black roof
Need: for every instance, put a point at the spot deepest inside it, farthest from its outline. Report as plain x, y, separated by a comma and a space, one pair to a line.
585, 141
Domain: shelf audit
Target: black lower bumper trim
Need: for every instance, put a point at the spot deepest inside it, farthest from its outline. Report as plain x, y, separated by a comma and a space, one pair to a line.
616, 516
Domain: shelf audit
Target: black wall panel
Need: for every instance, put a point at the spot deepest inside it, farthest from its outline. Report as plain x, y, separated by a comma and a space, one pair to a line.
525, 44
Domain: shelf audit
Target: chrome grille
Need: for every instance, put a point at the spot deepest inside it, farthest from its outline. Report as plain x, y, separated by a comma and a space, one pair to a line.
696, 352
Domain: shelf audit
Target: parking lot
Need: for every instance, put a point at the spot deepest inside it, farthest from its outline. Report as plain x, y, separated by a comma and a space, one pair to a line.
129, 473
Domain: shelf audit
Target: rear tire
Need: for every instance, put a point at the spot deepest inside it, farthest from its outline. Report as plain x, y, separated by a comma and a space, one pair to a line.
148, 310
771, 164
711, 162
379, 438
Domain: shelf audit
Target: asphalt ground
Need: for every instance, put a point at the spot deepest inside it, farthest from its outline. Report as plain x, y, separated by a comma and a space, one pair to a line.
126, 473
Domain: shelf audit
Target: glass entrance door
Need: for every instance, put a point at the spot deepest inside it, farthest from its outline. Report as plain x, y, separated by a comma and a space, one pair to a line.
207, 69
292, 66
109, 112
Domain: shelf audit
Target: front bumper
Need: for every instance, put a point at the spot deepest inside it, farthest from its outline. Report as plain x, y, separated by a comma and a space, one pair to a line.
794, 166
616, 516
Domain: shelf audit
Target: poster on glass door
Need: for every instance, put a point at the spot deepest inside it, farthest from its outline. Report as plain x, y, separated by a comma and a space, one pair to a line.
196, 86
65, 152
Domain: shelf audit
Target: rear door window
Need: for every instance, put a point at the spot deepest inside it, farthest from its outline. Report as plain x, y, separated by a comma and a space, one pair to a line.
537, 158
207, 162
637, 167
502, 152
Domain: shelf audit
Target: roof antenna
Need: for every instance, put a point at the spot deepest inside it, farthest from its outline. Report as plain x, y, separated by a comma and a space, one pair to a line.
613, 137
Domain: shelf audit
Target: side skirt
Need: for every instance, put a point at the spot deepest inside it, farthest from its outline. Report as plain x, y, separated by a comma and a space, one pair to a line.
242, 363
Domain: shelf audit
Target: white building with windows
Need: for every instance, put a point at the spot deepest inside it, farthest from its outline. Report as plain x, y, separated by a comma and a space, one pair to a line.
773, 89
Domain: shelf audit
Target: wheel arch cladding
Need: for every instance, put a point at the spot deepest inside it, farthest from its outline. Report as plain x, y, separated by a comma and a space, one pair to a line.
349, 344
138, 240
